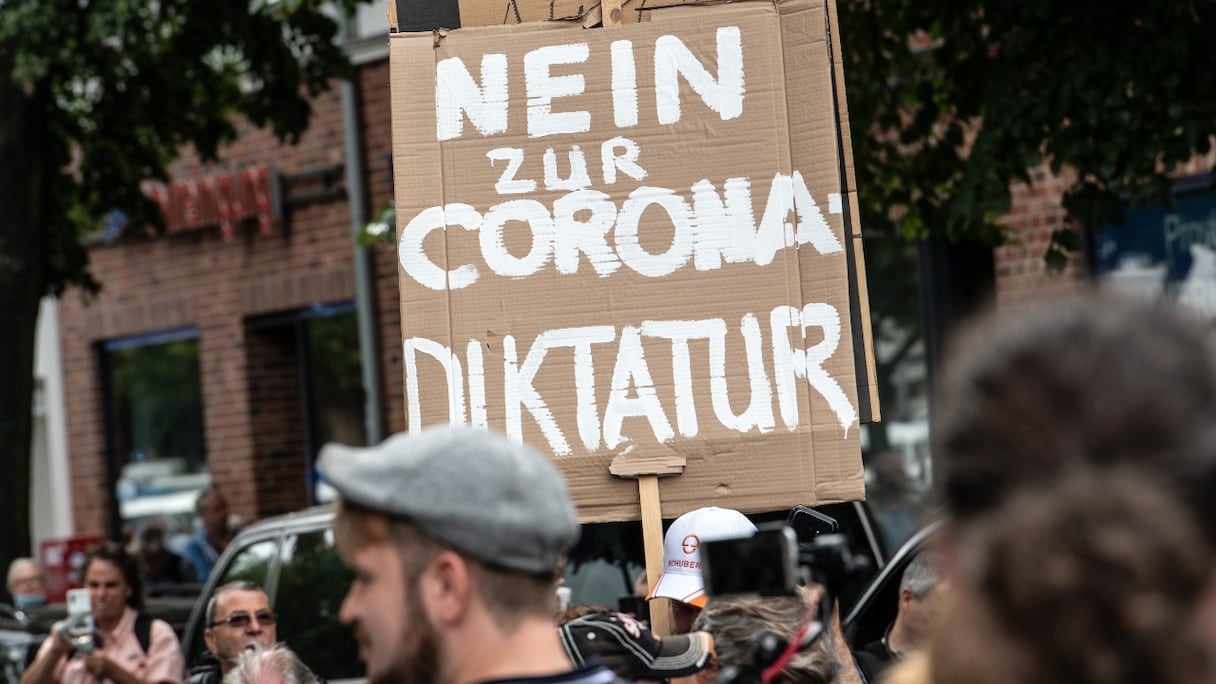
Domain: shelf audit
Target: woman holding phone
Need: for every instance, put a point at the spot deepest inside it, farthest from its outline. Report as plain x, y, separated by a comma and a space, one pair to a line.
127, 647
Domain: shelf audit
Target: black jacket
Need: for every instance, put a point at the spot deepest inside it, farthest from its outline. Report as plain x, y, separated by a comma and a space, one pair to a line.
204, 670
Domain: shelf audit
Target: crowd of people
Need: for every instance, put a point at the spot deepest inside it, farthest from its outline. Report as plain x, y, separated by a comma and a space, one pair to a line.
157, 565
1075, 450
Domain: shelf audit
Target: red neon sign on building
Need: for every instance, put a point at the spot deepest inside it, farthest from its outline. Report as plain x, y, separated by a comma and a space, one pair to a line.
223, 198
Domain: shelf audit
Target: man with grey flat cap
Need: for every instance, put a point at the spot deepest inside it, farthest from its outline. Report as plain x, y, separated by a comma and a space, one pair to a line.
453, 534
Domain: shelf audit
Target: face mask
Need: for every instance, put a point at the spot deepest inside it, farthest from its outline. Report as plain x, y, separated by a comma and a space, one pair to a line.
27, 602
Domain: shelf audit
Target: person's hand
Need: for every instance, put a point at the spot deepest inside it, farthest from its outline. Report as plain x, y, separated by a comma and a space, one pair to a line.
97, 663
61, 640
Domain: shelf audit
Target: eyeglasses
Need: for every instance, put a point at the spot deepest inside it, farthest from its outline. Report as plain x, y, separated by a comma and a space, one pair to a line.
241, 620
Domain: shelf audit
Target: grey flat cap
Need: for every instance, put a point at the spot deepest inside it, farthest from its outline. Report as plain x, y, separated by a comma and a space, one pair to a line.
500, 502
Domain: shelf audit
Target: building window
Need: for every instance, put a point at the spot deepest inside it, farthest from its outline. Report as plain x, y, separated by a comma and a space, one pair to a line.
306, 388
155, 436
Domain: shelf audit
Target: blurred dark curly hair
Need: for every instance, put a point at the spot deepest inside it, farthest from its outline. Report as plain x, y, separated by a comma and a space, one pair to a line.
1083, 380
1091, 580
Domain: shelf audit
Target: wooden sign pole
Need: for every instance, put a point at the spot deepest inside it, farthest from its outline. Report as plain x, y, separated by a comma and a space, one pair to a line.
652, 537
648, 470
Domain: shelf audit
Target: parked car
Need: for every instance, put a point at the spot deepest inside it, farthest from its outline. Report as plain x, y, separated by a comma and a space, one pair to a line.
292, 557
867, 618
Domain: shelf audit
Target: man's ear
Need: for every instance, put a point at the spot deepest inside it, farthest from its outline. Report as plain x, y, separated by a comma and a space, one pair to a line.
447, 587
209, 639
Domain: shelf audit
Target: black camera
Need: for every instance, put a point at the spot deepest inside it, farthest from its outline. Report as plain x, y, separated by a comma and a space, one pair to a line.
781, 556
765, 563
807, 547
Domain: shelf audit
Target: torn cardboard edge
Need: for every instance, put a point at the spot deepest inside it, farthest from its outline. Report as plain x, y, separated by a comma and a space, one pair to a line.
630, 465
593, 15
454, 14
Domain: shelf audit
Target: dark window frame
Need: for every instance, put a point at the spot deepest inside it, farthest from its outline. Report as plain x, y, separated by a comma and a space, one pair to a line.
113, 466
297, 320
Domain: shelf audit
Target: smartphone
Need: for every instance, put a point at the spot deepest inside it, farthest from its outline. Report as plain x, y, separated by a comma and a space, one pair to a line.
80, 619
809, 523
635, 606
764, 563
79, 603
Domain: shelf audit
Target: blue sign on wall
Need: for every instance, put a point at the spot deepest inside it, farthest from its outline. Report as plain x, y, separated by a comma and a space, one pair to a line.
1162, 252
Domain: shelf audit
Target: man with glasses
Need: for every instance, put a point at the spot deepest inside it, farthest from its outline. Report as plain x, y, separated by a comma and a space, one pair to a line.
238, 617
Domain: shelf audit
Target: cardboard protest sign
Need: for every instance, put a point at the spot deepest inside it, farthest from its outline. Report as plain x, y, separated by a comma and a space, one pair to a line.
633, 242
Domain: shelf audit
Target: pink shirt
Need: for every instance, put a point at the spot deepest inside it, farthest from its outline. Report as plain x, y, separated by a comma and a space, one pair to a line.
163, 662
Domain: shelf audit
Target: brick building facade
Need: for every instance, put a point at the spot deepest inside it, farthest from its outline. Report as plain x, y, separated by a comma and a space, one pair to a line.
235, 298
1021, 273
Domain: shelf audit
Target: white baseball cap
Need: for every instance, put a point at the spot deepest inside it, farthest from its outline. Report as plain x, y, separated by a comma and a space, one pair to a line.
681, 579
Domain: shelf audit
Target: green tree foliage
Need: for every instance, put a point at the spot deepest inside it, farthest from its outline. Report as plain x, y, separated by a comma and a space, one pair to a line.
952, 101
96, 96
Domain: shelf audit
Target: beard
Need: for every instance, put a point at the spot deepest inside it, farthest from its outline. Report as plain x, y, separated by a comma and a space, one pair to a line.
230, 654
418, 659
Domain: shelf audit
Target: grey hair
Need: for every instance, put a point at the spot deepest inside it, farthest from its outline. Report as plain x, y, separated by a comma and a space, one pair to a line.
256, 660
738, 623
238, 585
18, 562
920, 576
